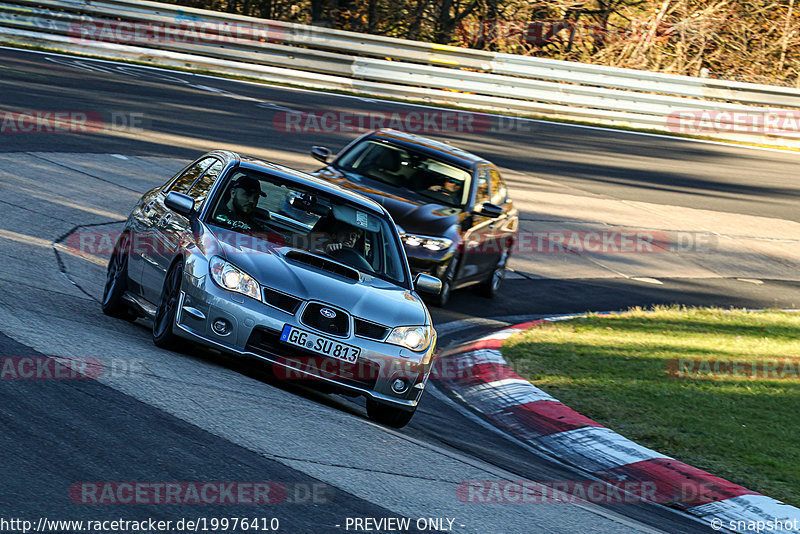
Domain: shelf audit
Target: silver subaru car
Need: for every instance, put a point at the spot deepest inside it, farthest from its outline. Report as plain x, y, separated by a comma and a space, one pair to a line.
256, 259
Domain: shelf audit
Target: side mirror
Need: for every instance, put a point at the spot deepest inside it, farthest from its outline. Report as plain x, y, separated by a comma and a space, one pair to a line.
425, 283
493, 211
321, 153
180, 203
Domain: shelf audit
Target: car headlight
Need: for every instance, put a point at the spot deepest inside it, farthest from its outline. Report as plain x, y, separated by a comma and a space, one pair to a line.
428, 242
230, 277
416, 338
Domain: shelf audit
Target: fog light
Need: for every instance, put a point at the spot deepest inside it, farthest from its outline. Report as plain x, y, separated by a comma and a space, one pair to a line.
399, 385
221, 327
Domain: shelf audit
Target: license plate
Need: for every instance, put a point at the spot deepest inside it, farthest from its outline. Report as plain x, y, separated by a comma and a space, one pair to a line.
319, 344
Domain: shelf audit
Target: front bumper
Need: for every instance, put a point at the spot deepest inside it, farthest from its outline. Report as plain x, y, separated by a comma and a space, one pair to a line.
432, 264
254, 331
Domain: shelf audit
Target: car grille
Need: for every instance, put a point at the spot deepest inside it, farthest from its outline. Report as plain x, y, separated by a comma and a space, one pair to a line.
370, 330
338, 325
282, 301
266, 342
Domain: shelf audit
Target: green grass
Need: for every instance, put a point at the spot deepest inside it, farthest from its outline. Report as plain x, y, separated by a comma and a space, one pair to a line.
614, 369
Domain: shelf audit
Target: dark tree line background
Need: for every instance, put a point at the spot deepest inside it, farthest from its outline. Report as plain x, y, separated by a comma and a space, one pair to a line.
746, 40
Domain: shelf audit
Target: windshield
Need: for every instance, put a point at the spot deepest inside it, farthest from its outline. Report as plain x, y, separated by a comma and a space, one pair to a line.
440, 181
286, 214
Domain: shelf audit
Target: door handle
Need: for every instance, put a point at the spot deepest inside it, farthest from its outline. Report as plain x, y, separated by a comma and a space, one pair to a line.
165, 220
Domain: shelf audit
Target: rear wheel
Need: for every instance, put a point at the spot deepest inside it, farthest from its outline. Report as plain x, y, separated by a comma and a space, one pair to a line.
167, 309
388, 415
491, 285
117, 280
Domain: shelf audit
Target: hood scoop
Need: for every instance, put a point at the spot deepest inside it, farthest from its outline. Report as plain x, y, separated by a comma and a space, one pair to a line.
324, 264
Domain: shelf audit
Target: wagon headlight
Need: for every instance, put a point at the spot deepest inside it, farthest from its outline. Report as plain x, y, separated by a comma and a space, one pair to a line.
416, 338
230, 277
430, 243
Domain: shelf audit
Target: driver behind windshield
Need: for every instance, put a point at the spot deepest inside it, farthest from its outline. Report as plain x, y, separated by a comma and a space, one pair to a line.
237, 208
343, 236
450, 188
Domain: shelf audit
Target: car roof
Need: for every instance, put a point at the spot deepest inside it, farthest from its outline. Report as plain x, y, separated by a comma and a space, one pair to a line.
305, 179
437, 149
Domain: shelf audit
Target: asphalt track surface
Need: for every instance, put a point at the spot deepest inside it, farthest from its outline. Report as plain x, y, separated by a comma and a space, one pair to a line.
201, 417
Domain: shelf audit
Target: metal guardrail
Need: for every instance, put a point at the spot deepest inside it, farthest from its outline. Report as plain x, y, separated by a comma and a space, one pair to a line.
382, 66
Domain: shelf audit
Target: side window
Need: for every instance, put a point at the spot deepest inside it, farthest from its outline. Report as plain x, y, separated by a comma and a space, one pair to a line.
185, 180
482, 192
499, 192
199, 191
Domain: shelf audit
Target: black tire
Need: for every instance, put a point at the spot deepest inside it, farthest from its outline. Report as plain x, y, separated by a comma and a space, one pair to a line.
388, 415
164, 320
117, 280
491, 285
447, 278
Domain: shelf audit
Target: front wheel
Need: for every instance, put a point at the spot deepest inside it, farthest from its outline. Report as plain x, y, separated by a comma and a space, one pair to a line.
388, 415
491, 285
117, 279
447, 279
167, 309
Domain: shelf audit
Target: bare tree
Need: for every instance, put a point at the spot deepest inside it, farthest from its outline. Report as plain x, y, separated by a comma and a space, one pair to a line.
751, 40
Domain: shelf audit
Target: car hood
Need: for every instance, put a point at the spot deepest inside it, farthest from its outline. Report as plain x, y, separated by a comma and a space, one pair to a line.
413, 212
370, 298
